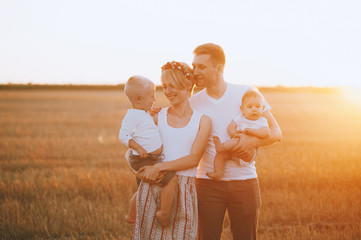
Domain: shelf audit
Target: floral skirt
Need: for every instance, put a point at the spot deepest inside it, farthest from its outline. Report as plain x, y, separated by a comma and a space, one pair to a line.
183, 222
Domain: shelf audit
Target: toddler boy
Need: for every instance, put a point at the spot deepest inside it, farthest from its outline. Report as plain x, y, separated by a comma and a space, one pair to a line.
139, 132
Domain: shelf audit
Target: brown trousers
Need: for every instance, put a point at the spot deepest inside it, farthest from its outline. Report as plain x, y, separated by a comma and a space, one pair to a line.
242, 200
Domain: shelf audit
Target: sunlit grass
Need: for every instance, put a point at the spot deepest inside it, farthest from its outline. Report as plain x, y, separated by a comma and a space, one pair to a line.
63, 175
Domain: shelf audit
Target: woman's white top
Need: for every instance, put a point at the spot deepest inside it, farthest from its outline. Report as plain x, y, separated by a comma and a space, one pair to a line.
177, 142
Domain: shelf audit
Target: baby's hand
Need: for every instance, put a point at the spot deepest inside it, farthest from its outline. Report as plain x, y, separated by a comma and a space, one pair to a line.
247, 131
238, 134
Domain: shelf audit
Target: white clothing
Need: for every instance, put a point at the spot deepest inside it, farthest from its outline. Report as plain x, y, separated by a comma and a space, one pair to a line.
243, 123
179, 141
222, 111
139, 126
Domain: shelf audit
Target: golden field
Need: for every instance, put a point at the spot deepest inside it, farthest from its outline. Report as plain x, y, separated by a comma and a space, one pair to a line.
63, 175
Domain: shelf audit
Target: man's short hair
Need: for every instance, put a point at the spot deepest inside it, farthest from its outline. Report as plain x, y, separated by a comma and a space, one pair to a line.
214, 50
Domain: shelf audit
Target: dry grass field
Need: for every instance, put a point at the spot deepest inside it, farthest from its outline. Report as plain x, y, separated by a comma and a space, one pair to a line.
63, 176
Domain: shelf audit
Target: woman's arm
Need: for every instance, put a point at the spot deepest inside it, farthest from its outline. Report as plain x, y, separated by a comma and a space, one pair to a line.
151, 173
198, 147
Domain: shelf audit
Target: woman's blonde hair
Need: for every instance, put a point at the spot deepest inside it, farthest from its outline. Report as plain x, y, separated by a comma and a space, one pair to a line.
180, 78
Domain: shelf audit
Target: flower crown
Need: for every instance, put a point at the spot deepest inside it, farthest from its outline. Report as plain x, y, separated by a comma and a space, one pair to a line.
178, 66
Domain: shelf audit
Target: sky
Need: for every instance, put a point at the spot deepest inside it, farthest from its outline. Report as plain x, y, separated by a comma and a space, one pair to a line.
267, 43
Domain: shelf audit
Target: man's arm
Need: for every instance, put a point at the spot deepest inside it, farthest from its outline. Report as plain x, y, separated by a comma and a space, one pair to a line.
275, 131
247, 145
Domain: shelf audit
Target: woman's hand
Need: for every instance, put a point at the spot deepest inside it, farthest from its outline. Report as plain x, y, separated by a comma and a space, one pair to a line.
139, 174
151, 174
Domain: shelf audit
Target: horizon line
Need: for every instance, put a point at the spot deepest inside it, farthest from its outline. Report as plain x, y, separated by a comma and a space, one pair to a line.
120, 87
157, 85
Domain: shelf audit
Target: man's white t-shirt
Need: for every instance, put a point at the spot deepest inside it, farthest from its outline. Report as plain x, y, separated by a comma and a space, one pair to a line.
222, 111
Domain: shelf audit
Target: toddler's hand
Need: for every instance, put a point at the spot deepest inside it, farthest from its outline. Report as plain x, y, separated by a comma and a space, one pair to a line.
154, 110
143, 153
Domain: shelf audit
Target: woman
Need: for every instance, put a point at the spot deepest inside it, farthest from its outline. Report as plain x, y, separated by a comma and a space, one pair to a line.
185, 135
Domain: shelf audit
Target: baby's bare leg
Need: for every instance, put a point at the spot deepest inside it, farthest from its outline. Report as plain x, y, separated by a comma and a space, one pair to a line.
166, 201
130, 218
219, 162
225, 146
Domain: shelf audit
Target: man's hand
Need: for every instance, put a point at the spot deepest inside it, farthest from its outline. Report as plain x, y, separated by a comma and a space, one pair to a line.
246, 147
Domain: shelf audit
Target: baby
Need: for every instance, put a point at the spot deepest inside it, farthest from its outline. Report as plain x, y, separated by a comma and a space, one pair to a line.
249, 122
139, 132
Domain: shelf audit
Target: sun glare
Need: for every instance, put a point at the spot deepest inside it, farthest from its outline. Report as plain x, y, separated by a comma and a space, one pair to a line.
352, 94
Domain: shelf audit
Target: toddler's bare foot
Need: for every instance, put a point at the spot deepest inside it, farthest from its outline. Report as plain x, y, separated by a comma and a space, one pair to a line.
215, 175
130, 219
163, 218
218, 144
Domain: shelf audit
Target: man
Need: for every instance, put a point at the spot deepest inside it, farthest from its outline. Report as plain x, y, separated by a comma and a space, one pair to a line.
238, 191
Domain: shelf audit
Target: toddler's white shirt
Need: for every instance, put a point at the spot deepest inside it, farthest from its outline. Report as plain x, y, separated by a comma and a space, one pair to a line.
139, 126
